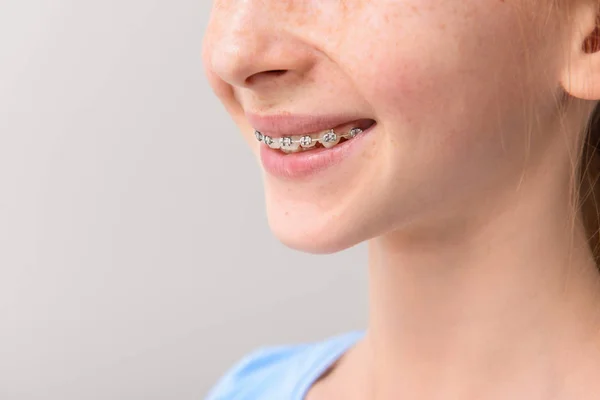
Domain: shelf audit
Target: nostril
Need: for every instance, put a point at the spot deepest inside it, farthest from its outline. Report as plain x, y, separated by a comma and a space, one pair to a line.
265, 75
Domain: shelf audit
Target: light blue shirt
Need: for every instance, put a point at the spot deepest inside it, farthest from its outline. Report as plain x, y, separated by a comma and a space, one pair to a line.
282, 373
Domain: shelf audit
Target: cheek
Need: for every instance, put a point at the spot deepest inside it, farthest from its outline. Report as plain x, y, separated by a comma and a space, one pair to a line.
449, 94
447, 77
427, 56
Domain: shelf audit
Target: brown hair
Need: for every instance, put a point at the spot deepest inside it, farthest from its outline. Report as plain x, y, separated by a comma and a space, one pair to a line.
589, 190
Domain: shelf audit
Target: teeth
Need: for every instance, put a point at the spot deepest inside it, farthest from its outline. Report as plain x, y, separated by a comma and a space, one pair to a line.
307, 141
353, 132
294, 144
289, 144
272, 143
329, 139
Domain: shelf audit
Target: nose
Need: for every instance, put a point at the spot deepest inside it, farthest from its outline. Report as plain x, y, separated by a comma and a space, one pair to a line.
250, 48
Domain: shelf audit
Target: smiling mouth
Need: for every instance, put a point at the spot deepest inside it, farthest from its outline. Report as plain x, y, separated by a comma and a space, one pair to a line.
307, 142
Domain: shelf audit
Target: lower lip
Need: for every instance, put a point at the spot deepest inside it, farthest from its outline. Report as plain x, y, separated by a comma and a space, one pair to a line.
305, 164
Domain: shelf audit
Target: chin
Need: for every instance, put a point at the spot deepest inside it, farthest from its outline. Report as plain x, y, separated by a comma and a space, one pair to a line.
323, 215
316, 234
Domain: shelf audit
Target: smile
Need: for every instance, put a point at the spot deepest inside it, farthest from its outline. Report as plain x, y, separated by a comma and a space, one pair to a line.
326, 139
303, 156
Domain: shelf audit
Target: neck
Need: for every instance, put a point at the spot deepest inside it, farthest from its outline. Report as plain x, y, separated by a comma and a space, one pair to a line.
497, 302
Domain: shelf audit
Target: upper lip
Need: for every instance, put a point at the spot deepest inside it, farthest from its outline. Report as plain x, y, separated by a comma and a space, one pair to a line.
278, 125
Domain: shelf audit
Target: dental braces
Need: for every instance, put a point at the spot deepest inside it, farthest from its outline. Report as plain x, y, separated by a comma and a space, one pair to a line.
306, 140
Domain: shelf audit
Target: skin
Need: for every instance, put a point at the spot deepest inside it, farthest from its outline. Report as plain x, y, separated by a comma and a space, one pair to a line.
482, 283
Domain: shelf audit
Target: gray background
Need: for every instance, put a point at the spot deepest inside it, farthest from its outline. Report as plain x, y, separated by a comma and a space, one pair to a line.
135, 259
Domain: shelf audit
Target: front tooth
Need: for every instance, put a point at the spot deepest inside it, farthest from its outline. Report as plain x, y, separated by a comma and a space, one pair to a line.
307, 141
295, 143
289, 143
329, 139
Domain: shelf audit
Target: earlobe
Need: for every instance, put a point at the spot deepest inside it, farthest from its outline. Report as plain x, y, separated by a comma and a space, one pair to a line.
581, 77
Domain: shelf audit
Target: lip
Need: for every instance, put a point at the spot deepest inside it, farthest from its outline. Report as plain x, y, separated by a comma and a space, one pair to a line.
305, 164
294, 125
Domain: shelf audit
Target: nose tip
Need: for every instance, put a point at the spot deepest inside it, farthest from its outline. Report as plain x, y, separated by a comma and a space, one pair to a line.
243, 67
256, 57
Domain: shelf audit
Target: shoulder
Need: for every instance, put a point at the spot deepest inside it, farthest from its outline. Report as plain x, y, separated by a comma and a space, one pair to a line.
279, 372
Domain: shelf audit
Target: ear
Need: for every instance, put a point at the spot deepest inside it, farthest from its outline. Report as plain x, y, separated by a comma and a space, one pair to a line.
581, 77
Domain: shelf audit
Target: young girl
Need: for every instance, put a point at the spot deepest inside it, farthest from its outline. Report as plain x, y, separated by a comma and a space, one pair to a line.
454, 136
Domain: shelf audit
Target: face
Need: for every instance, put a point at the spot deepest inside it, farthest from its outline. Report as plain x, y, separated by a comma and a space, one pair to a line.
438, 87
